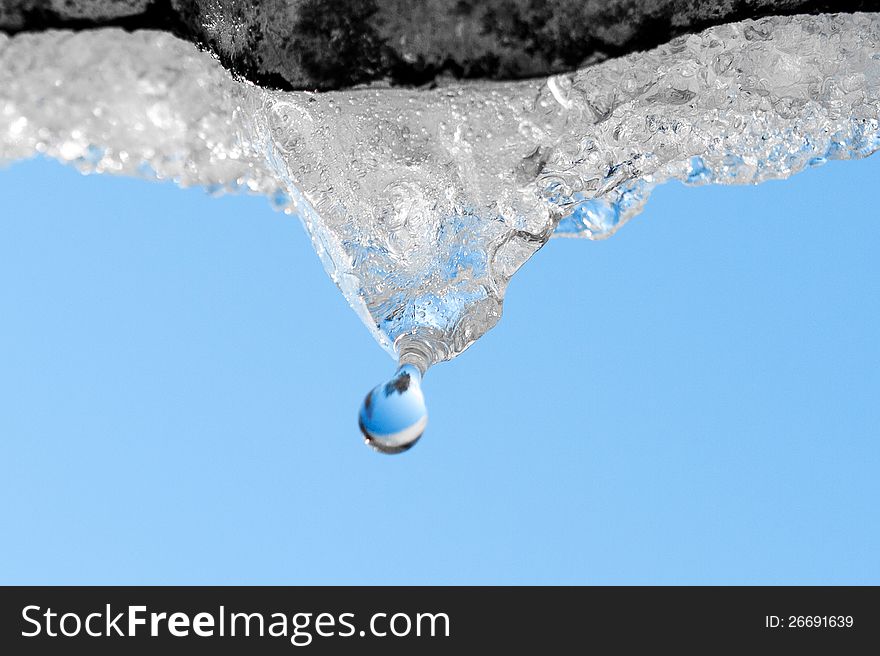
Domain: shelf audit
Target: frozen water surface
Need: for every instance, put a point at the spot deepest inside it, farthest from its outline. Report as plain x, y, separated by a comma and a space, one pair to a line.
423, 203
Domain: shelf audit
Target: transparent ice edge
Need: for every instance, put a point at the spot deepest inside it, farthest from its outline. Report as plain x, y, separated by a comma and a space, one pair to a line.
423, 204
600, 218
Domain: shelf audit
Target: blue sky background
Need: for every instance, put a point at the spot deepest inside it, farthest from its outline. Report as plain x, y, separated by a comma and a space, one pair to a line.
693, 401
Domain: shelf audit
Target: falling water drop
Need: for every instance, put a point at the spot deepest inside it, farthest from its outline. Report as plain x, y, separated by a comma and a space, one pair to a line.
393, 415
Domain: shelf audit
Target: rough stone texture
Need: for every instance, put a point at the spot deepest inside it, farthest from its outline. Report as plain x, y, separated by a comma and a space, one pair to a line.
29, 14
327, 44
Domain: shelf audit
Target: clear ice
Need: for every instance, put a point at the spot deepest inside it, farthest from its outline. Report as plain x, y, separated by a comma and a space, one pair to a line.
423, 203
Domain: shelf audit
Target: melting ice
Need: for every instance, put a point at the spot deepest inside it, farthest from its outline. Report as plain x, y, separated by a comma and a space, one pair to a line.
423, 203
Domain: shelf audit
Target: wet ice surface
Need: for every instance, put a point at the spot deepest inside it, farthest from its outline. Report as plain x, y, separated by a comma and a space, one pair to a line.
423, 203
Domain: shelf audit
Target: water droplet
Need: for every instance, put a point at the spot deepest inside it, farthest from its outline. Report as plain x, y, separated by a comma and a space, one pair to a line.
393, 416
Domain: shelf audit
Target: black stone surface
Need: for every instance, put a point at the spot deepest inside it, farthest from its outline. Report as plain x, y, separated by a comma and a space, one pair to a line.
330, 44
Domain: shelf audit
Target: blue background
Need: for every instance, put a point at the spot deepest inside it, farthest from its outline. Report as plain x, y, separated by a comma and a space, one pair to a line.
692, 401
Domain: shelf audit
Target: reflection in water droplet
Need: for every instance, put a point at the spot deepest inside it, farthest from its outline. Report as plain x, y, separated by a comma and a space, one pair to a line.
393, 416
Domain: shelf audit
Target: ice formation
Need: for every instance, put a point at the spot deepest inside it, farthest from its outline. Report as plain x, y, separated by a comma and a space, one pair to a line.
423, 203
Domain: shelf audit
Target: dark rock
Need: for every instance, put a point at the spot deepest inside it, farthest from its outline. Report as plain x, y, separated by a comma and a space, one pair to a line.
328, 44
